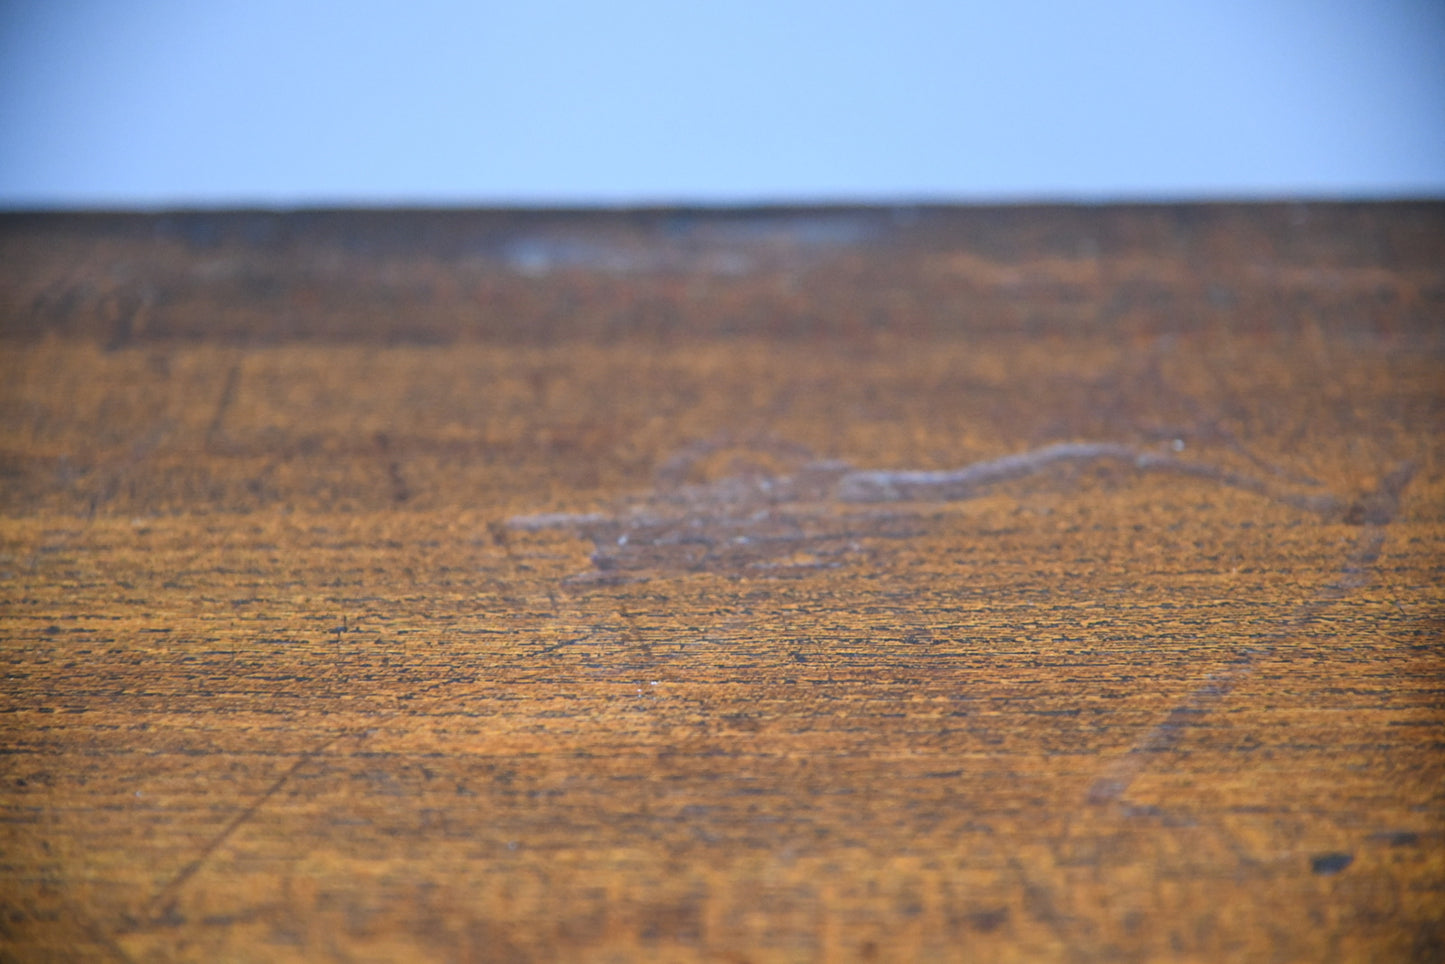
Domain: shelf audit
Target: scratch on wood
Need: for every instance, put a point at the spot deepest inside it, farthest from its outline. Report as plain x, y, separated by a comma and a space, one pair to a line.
827, 513
1375, 511
159, 904
962, 483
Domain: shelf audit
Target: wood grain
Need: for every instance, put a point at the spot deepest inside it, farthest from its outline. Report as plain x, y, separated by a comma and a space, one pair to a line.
573, 585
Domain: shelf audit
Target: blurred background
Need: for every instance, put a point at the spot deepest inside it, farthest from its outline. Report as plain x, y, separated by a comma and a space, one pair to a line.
156, 103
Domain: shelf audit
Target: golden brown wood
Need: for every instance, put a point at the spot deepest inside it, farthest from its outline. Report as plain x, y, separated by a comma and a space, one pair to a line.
508, 586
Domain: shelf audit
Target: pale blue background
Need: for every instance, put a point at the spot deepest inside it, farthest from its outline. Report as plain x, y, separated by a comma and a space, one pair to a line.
285, 102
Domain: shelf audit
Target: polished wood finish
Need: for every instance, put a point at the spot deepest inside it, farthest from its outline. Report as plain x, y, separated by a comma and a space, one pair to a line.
818, 584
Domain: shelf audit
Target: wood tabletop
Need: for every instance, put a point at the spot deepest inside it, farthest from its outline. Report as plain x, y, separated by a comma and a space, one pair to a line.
815, 584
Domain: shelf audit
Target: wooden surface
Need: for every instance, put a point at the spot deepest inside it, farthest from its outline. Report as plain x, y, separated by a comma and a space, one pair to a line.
566, 586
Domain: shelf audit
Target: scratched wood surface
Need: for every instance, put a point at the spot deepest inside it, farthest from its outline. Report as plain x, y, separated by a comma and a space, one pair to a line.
820, 584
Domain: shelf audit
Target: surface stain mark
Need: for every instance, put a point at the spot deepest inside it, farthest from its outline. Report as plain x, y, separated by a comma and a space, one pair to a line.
1166, 734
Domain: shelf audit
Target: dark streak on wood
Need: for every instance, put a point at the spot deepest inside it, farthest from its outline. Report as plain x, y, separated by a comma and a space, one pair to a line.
223, 404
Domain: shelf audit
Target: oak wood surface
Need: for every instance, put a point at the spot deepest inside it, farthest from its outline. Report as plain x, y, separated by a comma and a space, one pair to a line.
770, 585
